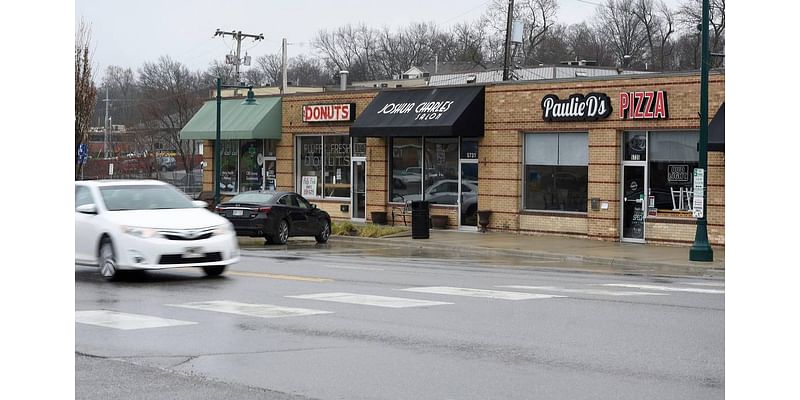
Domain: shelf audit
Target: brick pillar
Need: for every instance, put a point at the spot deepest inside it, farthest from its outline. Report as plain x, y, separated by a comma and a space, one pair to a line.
604, 183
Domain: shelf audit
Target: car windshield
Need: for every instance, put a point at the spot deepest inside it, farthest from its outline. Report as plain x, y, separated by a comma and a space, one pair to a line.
252, 198
143, 197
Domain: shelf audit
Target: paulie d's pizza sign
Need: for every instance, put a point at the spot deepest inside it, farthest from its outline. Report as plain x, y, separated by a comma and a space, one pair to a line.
329, 112
643, 105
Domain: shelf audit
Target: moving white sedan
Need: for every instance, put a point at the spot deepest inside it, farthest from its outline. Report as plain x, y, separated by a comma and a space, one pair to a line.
147, 224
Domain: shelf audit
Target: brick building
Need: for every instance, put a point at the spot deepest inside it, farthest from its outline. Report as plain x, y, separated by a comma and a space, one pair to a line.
607, 158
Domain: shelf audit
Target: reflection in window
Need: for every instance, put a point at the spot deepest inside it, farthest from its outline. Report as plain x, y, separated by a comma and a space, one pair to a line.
556, 171
337, 166
673, 159
229, 166
441, 170
406, 174
250, 172
310, 160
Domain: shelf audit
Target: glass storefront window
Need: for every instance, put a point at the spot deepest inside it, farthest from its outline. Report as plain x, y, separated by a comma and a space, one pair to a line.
359, 147
406, 174
250, 172
556, 171
229, 166
269, 148
337, 166
635, 146
673, 158
441, 170
309, 157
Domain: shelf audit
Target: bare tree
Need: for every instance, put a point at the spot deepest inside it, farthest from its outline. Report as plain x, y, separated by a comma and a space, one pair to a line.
85, 90
690, 17
657, 21
270, 65
304, 70
123, 92
623, 31
171, 95
216, 69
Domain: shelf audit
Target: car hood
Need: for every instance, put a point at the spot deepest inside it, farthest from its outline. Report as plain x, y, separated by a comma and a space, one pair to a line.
180, 218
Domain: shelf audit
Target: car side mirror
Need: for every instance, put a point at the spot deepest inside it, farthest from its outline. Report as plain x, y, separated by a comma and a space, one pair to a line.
313, 205
199, 204
86, 209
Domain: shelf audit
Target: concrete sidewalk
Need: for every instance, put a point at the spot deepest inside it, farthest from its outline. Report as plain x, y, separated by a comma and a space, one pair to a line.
630, 258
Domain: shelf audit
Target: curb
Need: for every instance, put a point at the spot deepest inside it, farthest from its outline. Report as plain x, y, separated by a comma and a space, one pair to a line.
629, 266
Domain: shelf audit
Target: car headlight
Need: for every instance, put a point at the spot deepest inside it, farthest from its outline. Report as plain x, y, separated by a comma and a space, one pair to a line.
144, 233
223, 229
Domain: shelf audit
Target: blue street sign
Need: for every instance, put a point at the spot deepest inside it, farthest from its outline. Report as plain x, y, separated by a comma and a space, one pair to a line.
83, 153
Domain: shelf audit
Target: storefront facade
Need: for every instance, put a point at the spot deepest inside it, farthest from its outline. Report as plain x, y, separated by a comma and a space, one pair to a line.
606, 159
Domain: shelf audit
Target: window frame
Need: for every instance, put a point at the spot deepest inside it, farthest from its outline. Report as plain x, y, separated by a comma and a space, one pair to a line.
524, 179
298, 157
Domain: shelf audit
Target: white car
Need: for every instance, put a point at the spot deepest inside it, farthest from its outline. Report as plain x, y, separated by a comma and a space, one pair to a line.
148, 224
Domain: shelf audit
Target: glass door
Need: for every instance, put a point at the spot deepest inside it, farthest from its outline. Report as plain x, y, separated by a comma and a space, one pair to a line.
633, 203
359, 197
468, 194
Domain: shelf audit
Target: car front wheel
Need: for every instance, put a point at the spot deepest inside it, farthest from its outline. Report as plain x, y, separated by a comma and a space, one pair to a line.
108, 261
324, 233
215, 270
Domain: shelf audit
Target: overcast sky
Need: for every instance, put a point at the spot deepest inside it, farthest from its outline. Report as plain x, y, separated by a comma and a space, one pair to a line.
128, 33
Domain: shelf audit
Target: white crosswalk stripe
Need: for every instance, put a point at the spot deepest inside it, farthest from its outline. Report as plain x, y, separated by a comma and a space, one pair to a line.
251, 310
370, 300
583, 291
489, 294
124, 321
665, 288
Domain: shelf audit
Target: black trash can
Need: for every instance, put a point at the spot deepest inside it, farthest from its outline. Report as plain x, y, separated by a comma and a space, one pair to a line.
420, 220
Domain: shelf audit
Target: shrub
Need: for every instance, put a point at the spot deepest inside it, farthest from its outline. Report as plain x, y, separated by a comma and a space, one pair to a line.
343, 228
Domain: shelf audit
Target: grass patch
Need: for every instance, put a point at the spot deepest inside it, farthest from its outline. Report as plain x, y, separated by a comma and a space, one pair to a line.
347, 228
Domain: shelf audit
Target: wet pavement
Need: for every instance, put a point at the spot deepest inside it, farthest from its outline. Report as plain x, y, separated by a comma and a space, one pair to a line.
520, 251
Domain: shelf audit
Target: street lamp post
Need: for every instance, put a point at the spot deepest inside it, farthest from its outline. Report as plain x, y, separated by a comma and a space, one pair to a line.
701, 249
217, 143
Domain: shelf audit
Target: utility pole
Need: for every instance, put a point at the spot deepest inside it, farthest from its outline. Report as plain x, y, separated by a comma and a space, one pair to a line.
105, 128
507, 55
238, 35
283, 66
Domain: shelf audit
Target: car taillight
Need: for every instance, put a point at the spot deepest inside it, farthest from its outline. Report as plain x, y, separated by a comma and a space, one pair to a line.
265, 210
217, 209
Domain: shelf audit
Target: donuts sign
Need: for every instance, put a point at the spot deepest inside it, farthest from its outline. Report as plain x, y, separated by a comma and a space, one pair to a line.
329, 112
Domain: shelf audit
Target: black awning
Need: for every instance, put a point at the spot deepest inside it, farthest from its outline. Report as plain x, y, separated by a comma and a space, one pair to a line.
453, 111
716, 131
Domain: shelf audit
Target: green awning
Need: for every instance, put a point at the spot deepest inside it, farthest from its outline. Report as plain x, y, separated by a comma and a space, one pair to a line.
238, 121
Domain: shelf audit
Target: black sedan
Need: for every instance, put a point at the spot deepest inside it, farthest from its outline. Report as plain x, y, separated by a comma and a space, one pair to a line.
275, 216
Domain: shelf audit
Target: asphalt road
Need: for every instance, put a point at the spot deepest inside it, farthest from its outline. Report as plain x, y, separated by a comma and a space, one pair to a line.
337, 322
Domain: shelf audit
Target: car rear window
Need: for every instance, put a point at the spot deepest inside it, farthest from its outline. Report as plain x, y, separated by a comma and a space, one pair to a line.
252, 198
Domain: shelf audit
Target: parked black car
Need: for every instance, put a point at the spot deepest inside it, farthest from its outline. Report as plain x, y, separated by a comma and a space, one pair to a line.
276, 216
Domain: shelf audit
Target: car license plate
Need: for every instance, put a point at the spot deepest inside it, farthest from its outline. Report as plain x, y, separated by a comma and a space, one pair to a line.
238, 213
193, 252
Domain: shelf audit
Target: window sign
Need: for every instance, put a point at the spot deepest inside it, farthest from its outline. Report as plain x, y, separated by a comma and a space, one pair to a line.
309, 186
678, 173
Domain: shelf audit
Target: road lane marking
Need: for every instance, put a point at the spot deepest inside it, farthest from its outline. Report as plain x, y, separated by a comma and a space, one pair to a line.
124, 321
714, 284
278, 276
665, 288
491, 294
369, 300
251, 310
583, 291
351, 267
